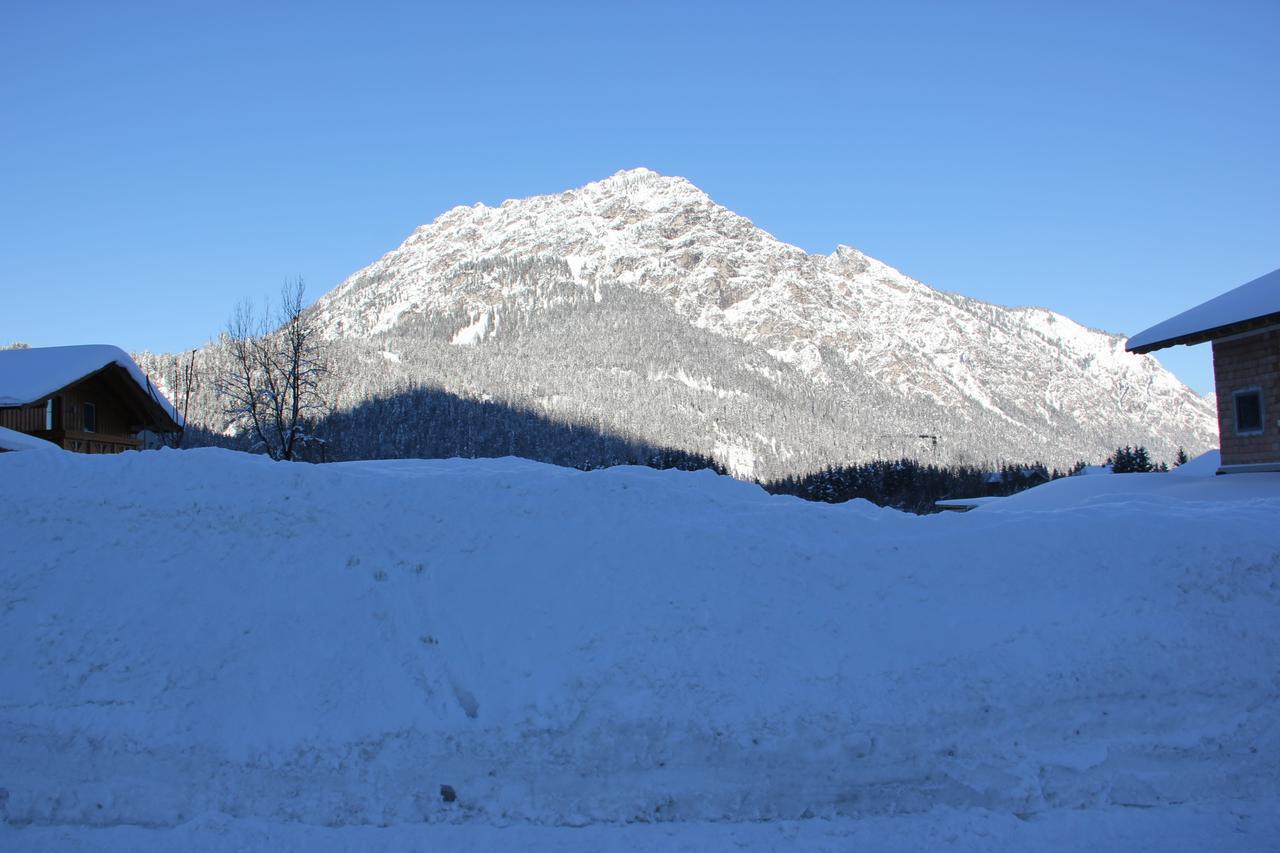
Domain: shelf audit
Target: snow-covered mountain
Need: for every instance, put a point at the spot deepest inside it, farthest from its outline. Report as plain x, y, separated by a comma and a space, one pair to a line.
705, 331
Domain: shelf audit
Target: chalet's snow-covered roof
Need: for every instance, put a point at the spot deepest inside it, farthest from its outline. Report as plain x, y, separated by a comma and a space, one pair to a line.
26, 375
1259, 298
14, 440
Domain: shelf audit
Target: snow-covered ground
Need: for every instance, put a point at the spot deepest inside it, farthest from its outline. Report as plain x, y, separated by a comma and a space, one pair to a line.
13, 440
206, 650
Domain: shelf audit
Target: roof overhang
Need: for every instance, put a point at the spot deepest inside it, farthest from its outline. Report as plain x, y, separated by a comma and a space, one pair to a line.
146, 412
1256, 324
1248, 308
30, 375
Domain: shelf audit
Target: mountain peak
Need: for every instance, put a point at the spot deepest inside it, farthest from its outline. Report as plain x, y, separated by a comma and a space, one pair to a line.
858, 334
642, 183
637, 172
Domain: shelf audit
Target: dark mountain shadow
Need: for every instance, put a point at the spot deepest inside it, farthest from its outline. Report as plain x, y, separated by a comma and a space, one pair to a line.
430, 423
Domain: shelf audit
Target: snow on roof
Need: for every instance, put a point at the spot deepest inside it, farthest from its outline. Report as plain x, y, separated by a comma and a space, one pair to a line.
26, 375
1258, 298
13, 440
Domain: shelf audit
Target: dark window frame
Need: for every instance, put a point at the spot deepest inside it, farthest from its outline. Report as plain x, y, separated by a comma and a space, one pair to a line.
89, 417
1251, 391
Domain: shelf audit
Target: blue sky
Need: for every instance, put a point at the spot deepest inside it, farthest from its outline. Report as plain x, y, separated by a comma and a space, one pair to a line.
1116, 162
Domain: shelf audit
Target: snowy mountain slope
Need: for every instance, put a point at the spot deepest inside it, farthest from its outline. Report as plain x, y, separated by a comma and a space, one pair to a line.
1030, 380
212, 648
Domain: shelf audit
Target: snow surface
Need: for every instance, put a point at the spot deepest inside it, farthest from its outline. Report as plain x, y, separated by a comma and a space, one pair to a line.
14, 440
1195, 489
203, 650
1203, 465
1258, 298
28, 374
475, 332
968, 502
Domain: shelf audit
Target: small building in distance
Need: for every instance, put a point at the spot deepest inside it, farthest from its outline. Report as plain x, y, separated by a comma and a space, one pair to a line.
1244, 326
87, 399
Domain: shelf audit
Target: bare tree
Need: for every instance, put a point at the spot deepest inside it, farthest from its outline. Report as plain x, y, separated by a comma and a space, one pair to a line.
274, 384
186, 378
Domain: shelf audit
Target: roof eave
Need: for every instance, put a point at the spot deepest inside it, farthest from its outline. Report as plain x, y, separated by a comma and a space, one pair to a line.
162, 421
1252, 325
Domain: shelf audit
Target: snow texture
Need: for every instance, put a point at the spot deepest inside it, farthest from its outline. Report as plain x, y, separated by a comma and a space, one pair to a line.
1258, 298
1194, 488
14, 440
203, 650
28, 374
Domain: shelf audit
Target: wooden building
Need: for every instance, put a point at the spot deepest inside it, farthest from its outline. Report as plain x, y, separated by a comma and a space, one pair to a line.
88, 399
1244, 326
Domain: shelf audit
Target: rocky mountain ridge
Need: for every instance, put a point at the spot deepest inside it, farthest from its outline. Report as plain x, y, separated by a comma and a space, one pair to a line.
638, 306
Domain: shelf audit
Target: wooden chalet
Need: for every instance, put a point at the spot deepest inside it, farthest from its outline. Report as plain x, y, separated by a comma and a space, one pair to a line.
1244, 326
87, 399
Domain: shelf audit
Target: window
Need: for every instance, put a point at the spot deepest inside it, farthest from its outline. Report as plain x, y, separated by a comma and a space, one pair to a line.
48, 413
90, 417
1248, 404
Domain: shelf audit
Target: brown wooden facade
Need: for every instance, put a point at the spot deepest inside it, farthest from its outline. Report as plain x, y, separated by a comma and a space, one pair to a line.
99, 413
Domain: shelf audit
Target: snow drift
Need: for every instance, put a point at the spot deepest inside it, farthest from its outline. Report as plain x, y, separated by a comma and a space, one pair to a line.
13, 440
213, 644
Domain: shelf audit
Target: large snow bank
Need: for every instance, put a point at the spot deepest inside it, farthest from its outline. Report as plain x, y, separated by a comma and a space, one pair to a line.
28, 374
14, 440
1204, 465
205, 650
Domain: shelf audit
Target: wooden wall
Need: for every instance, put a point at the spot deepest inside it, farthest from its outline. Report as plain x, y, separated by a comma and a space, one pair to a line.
113, 416
23, 419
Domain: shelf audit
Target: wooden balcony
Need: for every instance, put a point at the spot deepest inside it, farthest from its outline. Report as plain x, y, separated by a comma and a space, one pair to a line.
89, 442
